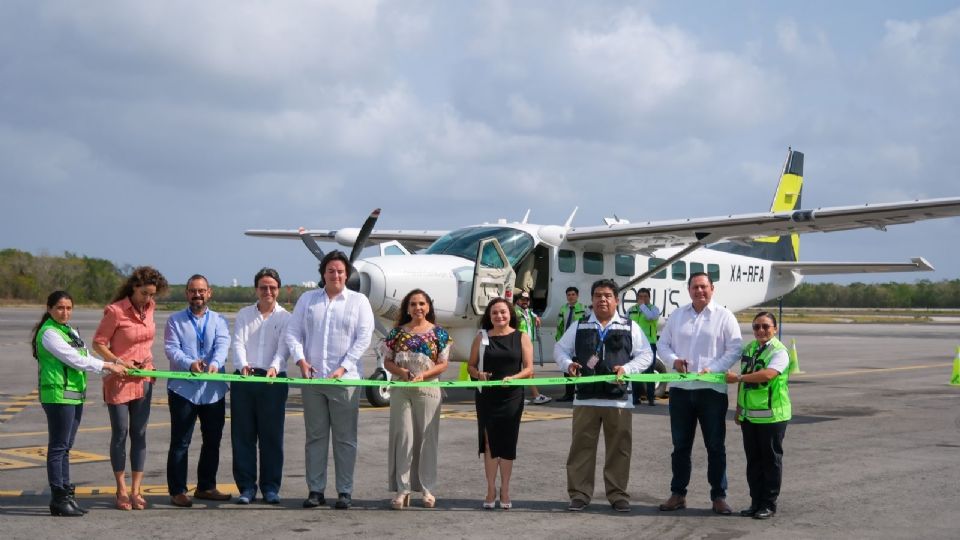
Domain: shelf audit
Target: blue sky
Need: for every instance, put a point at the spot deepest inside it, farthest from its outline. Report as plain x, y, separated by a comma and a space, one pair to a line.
156, 133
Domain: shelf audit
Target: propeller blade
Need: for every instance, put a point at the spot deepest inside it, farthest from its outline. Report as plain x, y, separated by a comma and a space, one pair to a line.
364, 235
311, 244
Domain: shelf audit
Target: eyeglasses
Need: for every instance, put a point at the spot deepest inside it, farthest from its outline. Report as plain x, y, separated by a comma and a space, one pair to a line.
763, 326
197, 291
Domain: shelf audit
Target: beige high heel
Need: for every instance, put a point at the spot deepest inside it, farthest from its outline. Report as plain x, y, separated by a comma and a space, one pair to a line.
400, 501
429, 501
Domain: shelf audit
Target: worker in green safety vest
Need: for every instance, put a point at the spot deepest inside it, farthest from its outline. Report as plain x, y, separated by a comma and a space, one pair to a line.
62, 360
528, 322
646, 315
763, 411
570, 313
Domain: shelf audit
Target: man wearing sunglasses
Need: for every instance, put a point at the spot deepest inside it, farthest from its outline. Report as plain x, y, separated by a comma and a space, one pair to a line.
699, 337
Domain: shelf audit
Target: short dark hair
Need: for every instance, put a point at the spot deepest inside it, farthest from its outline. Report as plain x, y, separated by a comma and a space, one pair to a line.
643, 290
574, 289
766, 314
196, 277
404, 317
335, 255
605, 284
698, 274
487, 323
266, 272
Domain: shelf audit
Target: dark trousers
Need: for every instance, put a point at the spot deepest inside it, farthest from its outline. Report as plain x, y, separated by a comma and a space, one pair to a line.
131, 419
256, 417
648, 388
709, 409
183, 417
763, 447
62, 424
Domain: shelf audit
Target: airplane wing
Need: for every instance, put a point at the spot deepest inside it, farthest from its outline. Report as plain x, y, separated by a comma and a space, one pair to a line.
653, 235
347, 236
916, 264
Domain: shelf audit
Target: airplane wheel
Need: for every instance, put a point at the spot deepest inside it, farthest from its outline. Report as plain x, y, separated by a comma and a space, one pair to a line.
378, 396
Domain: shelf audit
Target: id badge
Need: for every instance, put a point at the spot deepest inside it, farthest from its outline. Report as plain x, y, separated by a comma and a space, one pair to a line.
592, 362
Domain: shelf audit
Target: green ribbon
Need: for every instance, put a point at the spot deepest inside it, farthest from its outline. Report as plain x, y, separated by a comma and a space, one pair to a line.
543, 381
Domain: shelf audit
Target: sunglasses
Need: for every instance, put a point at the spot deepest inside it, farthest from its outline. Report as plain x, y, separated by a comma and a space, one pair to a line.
762, 326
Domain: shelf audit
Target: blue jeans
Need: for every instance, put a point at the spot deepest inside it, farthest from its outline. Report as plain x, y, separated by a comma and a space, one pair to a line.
62, 424
183, 417
709, 408
256, 416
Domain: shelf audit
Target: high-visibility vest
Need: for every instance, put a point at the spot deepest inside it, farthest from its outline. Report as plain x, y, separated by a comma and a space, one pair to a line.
526, 322
60, 383
763, 403
649, 327
578, 312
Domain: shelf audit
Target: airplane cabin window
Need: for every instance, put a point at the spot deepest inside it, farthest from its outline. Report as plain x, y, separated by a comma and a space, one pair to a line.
679, 270
624, 265
567, 260
695, 267
654, 262
592, 263
393, 250
713, 270
465, 242
490, 258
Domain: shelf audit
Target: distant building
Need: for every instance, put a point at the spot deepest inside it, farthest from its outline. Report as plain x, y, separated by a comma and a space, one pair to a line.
309, 284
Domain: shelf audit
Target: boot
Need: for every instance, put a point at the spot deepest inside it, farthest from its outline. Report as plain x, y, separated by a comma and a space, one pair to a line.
72, 497
60, 504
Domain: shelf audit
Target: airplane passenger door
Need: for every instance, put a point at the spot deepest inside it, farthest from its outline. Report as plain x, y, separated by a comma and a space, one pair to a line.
492, 274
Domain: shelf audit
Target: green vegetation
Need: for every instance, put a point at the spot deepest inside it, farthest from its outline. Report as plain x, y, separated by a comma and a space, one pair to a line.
28, 278
923, 294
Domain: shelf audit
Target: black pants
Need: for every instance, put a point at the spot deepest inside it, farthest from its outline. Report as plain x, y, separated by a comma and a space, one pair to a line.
183, 417
648, 388
62, 424
256, 417
709, 409
763, 446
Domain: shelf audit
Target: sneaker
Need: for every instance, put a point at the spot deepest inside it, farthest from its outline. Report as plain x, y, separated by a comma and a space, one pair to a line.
246, 497
577, 505
621, 505
314, 499
540, 399
271, 498
343, 501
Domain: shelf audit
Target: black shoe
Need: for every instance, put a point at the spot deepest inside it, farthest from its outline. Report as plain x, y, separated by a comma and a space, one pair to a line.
60, 504
314, 499
343, 501
749, 512
652, 403
72, 497
565, 398
764, 513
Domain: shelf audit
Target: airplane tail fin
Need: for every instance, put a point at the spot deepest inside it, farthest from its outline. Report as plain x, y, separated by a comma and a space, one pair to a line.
786, 198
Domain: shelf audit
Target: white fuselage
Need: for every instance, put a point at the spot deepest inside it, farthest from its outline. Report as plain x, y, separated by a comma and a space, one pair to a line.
740, 282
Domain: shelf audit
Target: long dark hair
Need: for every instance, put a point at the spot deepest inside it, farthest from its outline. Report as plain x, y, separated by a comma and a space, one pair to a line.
141, 275
404, 317
487, 323
52, 300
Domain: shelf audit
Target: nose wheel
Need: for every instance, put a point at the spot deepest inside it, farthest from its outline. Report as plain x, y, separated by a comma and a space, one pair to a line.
378, 396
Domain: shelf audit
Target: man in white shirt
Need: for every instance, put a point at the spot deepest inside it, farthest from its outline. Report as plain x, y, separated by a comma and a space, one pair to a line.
601, 344
699, 337
257, 410
327, 334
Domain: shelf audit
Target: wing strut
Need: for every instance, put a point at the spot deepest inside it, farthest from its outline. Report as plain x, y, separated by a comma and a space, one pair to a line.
701, 241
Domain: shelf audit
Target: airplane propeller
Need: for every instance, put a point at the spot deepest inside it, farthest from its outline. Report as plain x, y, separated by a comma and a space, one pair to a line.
311, 244
353, 283
364, 234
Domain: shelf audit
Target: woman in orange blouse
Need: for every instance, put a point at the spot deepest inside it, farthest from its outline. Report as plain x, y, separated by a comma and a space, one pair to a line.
125, 336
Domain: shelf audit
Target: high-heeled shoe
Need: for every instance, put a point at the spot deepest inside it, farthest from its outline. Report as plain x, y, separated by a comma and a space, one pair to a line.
400, 501
489, 505
137, 502
429, 501
505, 505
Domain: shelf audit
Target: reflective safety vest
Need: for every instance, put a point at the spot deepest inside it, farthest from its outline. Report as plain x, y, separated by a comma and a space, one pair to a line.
578, 312
60, 383
649, 327
598, 356
763, 403
526, 322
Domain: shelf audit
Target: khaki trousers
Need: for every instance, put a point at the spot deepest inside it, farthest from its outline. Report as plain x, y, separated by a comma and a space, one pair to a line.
414, 439
617, 427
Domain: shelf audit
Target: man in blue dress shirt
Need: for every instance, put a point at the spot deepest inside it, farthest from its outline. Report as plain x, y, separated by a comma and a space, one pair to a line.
197, 340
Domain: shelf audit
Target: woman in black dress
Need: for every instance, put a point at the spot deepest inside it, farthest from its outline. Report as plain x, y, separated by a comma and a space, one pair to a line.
507, 354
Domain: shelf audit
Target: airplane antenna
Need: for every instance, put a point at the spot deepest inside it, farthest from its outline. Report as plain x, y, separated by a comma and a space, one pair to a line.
570, 219
526, 216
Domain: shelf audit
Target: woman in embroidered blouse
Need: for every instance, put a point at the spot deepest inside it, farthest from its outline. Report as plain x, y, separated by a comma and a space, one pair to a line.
415, 350
125, 336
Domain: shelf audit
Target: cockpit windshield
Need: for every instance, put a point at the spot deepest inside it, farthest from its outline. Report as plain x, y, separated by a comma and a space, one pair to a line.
465, 242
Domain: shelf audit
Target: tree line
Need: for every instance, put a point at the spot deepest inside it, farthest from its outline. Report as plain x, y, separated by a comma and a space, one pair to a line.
30, 278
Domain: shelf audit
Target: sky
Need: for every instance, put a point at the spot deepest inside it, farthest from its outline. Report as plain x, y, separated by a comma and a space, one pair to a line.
157, 132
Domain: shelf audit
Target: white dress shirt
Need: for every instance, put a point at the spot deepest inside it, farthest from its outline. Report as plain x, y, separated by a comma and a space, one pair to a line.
641, 356
709, 340
331, 332
258, 342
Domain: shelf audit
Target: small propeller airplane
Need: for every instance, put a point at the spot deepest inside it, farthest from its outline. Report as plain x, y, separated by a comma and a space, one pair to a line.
753, 258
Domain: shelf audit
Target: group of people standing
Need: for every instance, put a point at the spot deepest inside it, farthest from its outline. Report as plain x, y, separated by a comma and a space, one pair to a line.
328, 331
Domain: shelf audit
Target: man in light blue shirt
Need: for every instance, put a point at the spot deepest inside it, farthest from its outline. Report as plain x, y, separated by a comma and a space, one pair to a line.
197, 340
327, 334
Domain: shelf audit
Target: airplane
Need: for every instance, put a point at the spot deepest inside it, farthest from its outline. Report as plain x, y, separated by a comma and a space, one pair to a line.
753, 258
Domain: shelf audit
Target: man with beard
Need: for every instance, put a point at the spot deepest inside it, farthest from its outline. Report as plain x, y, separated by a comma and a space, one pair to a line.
196, 340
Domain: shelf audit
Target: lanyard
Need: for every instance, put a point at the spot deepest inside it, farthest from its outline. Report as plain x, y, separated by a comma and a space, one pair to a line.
201, 331
603, 334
